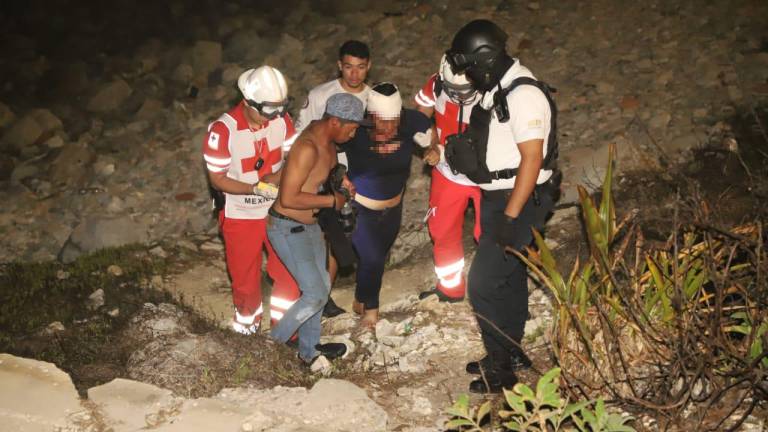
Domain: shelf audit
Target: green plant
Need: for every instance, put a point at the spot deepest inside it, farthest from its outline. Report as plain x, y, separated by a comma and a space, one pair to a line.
663, 327
538, 411
757, 334
466, 416
601, 420
546, 410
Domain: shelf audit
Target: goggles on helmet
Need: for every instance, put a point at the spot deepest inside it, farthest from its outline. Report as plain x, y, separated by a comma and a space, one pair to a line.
460, 62
270, 110
459, 92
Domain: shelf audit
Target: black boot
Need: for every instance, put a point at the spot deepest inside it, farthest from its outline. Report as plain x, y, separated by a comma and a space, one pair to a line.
331, 309
440, 296
473, 367
495, 381
332, 350
517, 361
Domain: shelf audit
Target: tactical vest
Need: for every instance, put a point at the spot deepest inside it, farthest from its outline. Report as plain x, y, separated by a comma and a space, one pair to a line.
466, 152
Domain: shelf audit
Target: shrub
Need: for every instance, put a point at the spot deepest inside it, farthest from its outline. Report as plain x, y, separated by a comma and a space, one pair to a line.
672, 329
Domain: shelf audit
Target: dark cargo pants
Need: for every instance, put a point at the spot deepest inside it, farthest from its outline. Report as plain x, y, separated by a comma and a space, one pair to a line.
498, 288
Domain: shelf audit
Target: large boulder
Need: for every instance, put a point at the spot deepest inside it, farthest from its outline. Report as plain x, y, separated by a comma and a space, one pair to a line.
127, 405
97, 232
110, 96
206, 58
70, 165
246, 47
47, 121
35, 396
22, 133
325, 407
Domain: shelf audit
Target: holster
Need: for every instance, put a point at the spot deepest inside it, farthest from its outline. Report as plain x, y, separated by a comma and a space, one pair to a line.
465, 152
219, 199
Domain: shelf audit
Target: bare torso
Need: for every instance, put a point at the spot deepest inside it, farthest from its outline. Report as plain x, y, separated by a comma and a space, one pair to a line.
324, 153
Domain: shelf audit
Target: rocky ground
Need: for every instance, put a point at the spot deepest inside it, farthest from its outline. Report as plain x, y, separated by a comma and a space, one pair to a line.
103, 148
101, 126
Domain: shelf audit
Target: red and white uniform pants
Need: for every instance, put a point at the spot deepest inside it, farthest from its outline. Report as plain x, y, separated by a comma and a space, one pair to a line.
244, 240
447, 203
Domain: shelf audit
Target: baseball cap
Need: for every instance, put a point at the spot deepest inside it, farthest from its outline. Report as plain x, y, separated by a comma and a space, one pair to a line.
346, 107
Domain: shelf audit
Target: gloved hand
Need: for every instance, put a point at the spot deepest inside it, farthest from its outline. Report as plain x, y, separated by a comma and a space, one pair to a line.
511, 236
266, 190
423, 139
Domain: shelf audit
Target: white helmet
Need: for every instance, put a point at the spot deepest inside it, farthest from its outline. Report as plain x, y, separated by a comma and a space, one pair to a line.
456, 86
265, 90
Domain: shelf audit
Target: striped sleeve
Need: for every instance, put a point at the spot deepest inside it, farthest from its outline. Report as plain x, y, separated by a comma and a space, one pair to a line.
426, 96
276, 156
290, 133
216, 148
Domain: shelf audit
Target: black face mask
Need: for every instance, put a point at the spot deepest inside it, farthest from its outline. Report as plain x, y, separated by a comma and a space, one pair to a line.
486, 76
481, 78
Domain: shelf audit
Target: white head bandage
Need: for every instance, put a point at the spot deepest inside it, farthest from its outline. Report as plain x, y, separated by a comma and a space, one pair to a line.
384, 100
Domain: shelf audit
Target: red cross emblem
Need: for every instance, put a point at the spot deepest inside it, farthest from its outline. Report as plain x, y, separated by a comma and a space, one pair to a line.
249, 164
448, 121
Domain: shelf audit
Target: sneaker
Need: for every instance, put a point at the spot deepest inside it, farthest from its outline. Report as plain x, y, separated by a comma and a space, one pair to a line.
331, 350
495, 381
245, 329
331, 309
440, 296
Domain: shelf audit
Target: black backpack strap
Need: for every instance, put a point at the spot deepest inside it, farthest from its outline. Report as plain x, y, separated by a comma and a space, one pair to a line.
553, 148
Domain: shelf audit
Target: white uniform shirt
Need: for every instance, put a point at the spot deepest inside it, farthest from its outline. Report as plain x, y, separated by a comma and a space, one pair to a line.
529, 119
314, 108
231, 146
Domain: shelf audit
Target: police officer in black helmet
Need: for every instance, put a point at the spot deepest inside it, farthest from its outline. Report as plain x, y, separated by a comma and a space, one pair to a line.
509, 150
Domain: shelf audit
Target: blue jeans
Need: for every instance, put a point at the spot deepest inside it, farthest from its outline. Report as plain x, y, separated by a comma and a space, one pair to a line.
302, 249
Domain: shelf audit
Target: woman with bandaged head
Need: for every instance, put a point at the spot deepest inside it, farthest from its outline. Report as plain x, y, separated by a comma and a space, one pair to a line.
379, 163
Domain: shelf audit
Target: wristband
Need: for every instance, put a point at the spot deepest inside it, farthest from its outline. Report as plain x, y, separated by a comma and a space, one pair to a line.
333, 195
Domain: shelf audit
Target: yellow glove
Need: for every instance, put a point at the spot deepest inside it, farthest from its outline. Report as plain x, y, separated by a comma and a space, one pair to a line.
266, 190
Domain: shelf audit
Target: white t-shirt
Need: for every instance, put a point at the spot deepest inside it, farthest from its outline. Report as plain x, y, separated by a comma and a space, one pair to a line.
314, 107
529, 119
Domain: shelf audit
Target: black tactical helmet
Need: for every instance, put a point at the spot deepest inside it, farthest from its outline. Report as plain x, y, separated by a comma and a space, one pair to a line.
478, 50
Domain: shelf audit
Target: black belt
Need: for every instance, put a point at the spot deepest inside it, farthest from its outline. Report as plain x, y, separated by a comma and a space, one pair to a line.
498, 194
503, 174
275, 214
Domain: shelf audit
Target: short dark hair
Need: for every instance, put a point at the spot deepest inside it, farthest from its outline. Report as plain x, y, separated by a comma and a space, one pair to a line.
355, 48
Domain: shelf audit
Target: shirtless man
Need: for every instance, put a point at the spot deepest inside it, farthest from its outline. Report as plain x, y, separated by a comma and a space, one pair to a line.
354, 63
293, 228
